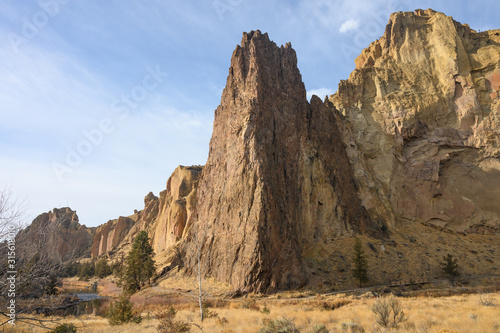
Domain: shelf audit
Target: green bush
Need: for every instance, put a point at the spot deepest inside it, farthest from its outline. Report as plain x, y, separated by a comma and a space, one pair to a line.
64, 328
120, 312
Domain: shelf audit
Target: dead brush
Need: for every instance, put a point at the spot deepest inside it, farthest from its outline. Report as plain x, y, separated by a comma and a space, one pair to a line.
250, 304
222, 321
332, 305
207, 313
486, 299
167, 324
217, 303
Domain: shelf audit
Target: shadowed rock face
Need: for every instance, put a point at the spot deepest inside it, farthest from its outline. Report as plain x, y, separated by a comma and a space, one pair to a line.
55, 235
277, 177
421, 123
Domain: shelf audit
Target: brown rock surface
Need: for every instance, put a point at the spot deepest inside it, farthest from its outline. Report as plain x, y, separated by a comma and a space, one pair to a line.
164, 218
409, 143
55, 235
177, 203
421, 123
108, 236
277, 177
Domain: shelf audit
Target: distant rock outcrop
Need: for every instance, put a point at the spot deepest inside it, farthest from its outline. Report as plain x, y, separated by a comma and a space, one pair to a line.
177, 203
108, 236
163, 218
56, 236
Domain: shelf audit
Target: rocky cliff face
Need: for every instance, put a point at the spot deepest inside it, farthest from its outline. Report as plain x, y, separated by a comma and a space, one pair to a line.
277, 177
56, 236
164, 217
410, 140
176, 206
108, 236
420, 118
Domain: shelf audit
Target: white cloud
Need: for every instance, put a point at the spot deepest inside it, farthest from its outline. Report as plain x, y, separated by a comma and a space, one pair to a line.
348, 25
320, 92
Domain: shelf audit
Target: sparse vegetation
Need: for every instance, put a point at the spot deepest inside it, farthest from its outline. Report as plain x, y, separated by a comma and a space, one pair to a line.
169, 325
450, 266
360, 271
281, 325
319, 328
120, 312
424, 313
64, 328
388, 311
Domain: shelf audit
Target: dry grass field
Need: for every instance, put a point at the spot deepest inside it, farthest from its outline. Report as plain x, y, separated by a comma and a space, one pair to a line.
338, 313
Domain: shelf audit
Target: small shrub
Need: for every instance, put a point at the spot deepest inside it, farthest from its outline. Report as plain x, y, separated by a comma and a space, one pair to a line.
207, 313
222, 321
282, 325
485, 300
120, 312
319, 328
64, 328
351, 327
169, 325
388, 311
250, 304
265, 310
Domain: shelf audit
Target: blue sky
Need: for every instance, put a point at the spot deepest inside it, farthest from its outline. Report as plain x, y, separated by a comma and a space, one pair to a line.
101, 100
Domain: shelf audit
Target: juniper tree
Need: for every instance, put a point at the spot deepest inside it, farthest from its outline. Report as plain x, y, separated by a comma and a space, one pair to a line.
360, 263
450, 266
139, 265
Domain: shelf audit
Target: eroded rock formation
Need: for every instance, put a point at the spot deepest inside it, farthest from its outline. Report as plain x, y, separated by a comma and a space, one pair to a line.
421, 123
164, 217
277, 177
56, 236
108, 236
410, 140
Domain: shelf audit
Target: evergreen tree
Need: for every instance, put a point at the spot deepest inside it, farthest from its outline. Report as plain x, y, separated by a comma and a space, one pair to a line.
450, 266
51, 287
102, 269
360, 263
139, 265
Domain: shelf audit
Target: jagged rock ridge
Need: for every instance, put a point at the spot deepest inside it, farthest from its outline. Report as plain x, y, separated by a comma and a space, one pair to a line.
56, 236
277, 177
164, 217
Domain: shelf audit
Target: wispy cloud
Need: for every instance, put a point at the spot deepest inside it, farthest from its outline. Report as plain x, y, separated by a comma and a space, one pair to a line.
349, 25
320, 92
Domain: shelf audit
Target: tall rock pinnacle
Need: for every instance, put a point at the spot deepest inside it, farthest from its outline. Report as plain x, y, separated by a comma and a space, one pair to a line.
267, 190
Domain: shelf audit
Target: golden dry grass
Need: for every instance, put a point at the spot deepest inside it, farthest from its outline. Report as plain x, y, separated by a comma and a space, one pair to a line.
462, 313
